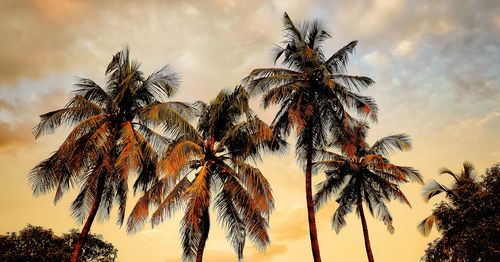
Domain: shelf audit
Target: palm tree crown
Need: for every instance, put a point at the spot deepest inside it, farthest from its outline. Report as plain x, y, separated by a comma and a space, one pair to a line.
113, 135
363, 173
314, 96
213, 165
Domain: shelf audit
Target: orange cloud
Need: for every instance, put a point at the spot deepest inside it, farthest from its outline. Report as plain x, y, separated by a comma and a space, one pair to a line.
270, 253
60, 11
14, 136
289, 225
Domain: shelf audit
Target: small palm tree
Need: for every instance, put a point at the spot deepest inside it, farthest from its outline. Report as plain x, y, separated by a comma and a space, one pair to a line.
363, 173
113, 135
314, 97
433, 188
211, 168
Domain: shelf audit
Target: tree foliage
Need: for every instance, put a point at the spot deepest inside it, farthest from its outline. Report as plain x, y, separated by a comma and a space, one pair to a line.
363, 174
113, 136
314, 95
468, 219
35, 243
212, 168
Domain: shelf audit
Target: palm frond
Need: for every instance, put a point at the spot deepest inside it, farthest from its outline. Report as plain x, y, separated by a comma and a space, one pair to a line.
449, 172
119, 60
384, 214
389, 144
364, 105
77, 110
257, 185
387, 188
65, 181
316, 35
256, 225
327, 188
281, 93
425, 226
168, 118
190, 238
338, 218
178, 155
129, 151
357, 83
260, 80
199, 197
469, 171
152, 138
323, 155
121, 197
163, 83
276, 52
338, 61
411, 173
228, 214
433, 188
292, 33
172, 202
92, 91
82, 204
43, 177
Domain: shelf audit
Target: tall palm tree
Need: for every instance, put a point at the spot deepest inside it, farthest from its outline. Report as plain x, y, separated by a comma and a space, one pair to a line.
314, 97
363, 173
433, 188
113, 135
211, 168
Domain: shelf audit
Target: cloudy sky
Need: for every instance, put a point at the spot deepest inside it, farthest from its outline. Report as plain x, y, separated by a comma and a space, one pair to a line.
436, 65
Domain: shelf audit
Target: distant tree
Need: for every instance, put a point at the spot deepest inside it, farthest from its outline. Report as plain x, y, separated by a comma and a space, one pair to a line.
363, 174
468, 219
35, 243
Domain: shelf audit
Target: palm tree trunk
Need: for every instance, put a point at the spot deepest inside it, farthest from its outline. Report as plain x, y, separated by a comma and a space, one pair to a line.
365, 232
90, 219
313, 232
204, 236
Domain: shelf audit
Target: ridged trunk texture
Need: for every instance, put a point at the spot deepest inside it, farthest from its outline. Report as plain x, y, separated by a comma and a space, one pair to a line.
206, 229
365, 232
90, 219
313, 232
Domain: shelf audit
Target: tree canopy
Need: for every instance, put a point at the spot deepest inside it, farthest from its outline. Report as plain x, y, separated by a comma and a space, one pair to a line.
467, 219
314, 95
35, 243
362, 173
213, 168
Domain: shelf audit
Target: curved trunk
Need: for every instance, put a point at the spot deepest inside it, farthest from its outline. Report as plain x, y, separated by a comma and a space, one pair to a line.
365, 232
204, 236
313, 232
90, 219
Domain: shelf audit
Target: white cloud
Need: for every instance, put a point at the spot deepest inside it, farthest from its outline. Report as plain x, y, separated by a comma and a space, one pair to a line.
376, 59
404, 48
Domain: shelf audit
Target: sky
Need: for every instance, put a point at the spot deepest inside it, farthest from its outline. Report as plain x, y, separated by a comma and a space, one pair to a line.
435, 64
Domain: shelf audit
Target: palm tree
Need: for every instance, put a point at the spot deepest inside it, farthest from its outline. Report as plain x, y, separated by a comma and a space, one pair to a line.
433, 188
314, 97
214, 162
363, 173
113, 135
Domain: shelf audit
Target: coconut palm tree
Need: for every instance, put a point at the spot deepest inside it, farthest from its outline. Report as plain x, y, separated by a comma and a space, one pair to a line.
433, 188
212, 168
363, 173
113, 135
314, 97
